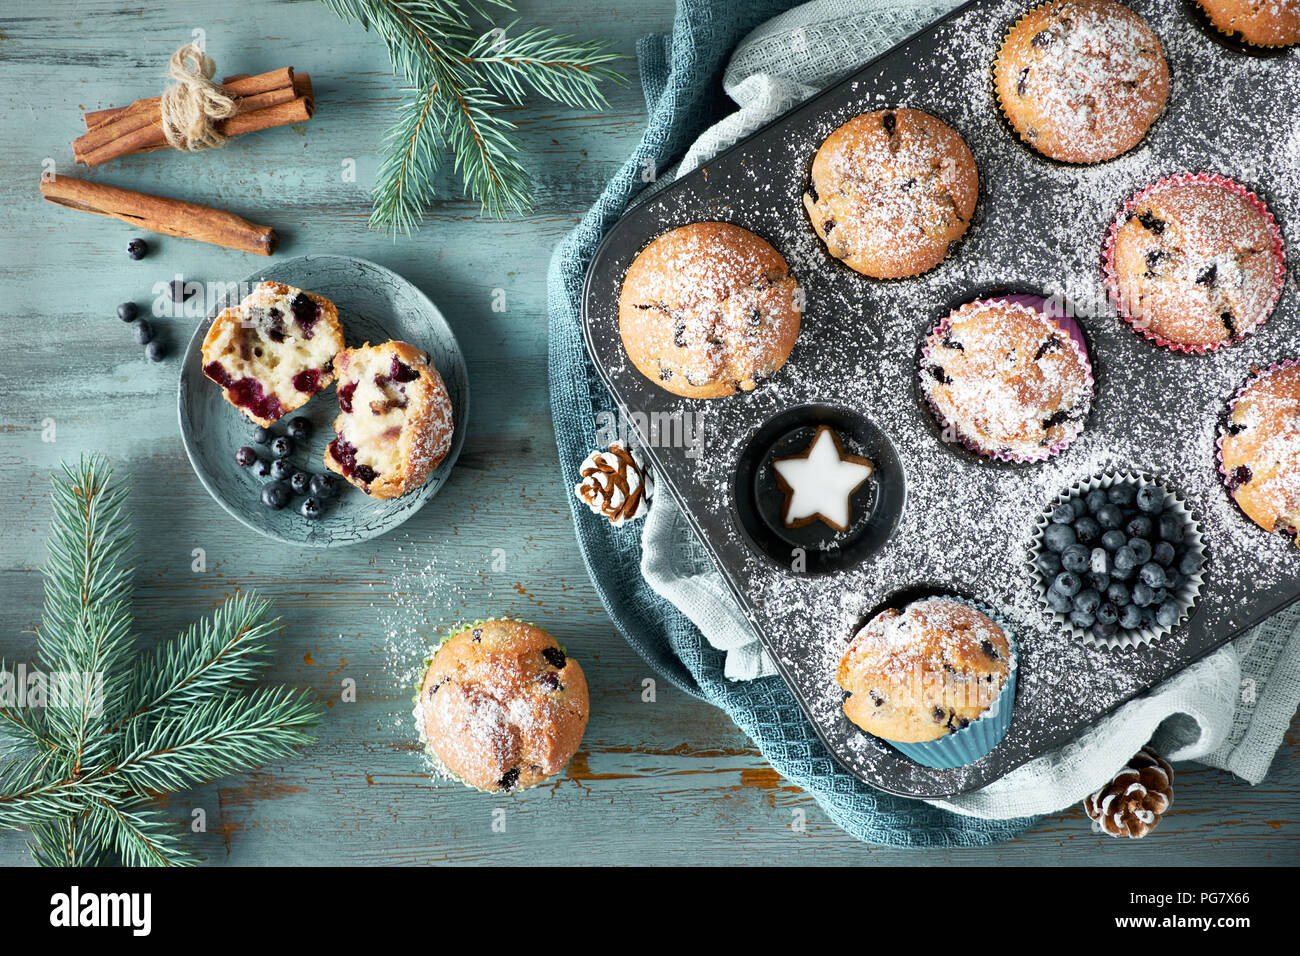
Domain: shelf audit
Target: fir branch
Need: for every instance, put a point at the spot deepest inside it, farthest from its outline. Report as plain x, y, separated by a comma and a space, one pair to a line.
140, 836
65, 842
216, 737
461, 76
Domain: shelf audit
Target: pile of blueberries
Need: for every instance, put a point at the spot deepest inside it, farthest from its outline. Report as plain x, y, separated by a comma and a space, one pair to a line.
1116, 558
286, 478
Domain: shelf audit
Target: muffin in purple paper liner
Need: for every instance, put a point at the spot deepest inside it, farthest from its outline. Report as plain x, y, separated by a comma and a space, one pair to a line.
1258, 448
935, 679
1008, 380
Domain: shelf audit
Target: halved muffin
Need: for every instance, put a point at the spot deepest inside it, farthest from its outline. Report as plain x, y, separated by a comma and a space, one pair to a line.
275, 350
395, 419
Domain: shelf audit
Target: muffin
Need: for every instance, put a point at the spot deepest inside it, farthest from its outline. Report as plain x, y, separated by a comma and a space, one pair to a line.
275, 350
1194, 262
709, 309
395, 419
1259, 449
1258, 22
891, 191
1008, 381
1081, 80
501, 706
924, 672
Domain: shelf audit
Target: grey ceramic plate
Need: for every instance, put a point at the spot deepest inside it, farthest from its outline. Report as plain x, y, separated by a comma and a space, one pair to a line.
375, 304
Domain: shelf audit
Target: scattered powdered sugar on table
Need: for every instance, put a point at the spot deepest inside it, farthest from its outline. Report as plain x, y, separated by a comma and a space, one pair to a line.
1039, 227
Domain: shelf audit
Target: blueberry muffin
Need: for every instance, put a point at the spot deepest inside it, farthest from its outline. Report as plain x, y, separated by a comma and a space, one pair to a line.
1260, 449
1081, 80
275, 350
1258, 22
709, 309
1194, 262
1007, 380
891, 191
395, 419
924, 672
501, 706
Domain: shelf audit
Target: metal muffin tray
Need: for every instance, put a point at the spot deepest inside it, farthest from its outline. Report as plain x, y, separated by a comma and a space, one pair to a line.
936, 518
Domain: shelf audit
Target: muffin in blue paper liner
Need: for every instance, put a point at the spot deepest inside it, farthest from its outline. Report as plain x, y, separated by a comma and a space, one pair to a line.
936, 680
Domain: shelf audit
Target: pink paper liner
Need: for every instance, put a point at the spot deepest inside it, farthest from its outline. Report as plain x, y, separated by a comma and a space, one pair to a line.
1034, 303
1256, 375
1112, 279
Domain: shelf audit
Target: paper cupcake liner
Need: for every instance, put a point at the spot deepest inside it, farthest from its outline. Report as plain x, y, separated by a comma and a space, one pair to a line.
980, 736
1255, 376
1034, 303
1111, 277
1188, 593
1237, 37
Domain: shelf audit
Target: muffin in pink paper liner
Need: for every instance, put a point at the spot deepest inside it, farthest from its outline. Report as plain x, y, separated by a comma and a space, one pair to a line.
1194, 262
1259, 448
1006, 379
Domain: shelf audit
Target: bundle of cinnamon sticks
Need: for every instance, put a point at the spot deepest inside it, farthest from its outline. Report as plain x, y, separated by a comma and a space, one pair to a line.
277, 98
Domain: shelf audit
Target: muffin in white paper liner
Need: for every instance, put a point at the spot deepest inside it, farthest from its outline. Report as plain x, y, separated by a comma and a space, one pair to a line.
1188, 592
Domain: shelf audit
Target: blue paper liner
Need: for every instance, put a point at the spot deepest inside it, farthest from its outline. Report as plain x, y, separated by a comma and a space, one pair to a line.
979, 737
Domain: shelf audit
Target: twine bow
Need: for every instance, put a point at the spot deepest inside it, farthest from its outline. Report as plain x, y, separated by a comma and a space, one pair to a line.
191, 106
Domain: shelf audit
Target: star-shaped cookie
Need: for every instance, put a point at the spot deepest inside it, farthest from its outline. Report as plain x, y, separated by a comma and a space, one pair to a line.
819, 484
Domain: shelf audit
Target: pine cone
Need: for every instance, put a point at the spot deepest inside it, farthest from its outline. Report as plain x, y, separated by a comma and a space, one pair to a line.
616, 484
1132, 804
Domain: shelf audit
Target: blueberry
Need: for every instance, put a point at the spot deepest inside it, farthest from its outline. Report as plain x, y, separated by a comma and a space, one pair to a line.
1076, 558
1109, 516
1173, 581
262, 468
1159, 597
1153, 575
1113, 540
1141, 549
245, 457
1189, 563
1163, 554
262, 435
1168, 614
1105, 629
1064, 514
298, 428
154, 351
1119, 594
1048, 562
143, 331
1087, 601
1058, 537
300, 482
1082, 619
275, 495
1121, 494
324, 486
312, 508
1087, 530
127, 311
1172, 527
1151, 499
282, 447
1100, 561
1138, 527
1098, 582
1130, 618
1148, 617
1126, 560
1096, 500
1108, 614
137, 248
1080, 507
1067, 583
281, 469
1058, 602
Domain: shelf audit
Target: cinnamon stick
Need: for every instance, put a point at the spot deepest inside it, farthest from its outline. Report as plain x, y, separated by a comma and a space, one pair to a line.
239, 84
172, 217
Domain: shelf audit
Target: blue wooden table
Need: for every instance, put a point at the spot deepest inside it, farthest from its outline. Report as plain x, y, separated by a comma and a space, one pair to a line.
665, 782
